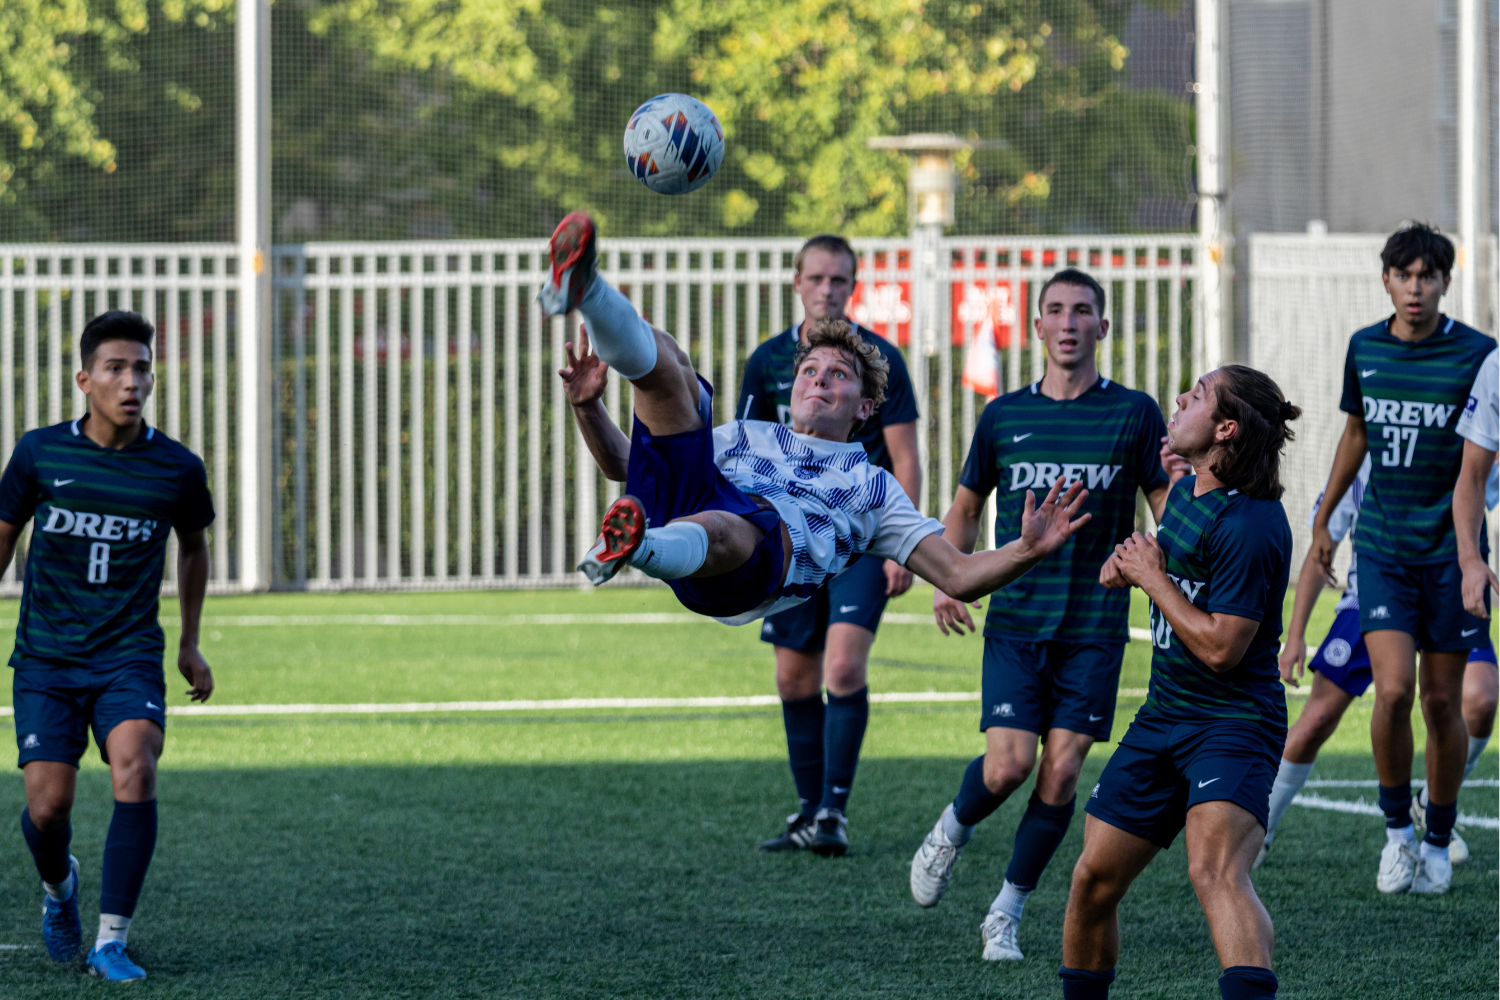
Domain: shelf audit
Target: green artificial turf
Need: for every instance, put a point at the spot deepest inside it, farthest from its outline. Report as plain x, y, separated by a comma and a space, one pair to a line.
599, 853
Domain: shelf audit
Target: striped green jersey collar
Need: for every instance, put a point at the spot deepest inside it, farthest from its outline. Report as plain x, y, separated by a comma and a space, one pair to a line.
77, 427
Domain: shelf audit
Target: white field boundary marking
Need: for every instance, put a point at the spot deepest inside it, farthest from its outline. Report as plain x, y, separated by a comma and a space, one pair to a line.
1363, 808
1372, 783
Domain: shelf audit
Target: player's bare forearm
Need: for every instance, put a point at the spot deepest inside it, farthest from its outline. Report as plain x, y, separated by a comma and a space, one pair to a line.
606, 442
1157, 501
10, 534
1218, 640
970, 576
1468, 500
906, 457
1309, 586
961, 523
192, 582
1353, 444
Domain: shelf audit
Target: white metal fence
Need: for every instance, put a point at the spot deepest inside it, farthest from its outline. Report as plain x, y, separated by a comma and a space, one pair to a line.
418, 434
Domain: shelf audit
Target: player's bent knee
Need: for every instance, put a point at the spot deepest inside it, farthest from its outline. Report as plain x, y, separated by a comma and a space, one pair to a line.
1004, 775
50, 811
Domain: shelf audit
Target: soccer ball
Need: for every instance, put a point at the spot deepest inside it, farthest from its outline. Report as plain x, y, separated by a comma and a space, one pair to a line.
674, 144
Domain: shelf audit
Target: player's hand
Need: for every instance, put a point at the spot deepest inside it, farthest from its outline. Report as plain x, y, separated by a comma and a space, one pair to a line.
1293, 655
1321, 551
1110, 575
1140, 559
1173, 464
585, 377
195, 668
898, 579
1045, 528
1477, 579
951, 614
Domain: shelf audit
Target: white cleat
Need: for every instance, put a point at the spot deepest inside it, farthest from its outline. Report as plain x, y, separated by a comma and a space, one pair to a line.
1398, 863
999, 933
1433, 877
932, 866
1458, 850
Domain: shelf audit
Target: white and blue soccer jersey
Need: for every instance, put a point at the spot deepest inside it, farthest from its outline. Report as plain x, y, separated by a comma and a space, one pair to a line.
1480, 421
1341, 525
835, 504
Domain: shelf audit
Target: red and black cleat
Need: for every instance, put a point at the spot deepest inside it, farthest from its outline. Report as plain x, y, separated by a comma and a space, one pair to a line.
574, 260
624, 527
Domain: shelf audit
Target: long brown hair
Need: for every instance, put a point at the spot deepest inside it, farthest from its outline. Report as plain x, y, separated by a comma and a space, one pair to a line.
1250, 461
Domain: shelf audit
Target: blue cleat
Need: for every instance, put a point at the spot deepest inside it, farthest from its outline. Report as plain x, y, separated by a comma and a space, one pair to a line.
109, 961
62, 931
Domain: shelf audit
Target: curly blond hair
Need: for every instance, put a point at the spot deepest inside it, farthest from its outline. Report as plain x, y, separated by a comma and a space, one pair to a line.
869, 364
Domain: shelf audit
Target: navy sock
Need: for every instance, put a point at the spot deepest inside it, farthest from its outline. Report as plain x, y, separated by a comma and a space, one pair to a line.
49, 849
804, 746
1086, 984
1249, 982
974, 801
1395, 802
127, 855
1041, 829
843, 732
1440, 820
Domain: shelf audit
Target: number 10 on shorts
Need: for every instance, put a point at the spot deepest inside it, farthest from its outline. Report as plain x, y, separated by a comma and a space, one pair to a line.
99, 562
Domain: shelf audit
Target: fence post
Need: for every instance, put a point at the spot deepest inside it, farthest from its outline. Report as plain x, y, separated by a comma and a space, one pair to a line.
1211, 257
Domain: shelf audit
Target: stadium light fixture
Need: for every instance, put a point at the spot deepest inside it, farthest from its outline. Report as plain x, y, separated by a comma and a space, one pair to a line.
931, 176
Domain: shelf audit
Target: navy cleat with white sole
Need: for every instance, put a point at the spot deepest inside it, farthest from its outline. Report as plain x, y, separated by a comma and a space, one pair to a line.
62, 931
109, 961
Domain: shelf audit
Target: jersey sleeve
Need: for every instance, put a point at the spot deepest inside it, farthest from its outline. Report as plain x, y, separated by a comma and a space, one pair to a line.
900, 527
194, 509
18, 487
1149, 473
752, 404
1245, 557
1353, 400
900, 406
979, 473
1480, 421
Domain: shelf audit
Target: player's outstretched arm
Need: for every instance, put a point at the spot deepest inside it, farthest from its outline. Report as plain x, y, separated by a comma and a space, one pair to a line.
961, 529
1468, 522
1044, 529
583, 382
192, 585
1354, 443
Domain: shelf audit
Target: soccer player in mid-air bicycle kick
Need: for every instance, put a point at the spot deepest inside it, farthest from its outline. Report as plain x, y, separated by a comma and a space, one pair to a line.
752, 517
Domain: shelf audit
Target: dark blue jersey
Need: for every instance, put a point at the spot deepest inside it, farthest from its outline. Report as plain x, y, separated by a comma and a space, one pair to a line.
1110, 439
1411, 396
766, 391
1230, 555
93, 572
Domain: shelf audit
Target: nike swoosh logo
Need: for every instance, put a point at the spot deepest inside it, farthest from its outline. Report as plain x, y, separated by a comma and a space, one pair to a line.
150, 705
784, 385
1468, 632
118, 927
1210, 781
839, 791
1095, 718
1023, 437
1367, 372
844, 609
63, 482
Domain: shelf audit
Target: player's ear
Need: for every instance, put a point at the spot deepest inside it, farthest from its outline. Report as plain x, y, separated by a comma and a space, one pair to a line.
1226, 431
81, 379
866, 408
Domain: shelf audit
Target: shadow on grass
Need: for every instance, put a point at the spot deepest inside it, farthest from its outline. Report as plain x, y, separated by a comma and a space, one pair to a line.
641, 880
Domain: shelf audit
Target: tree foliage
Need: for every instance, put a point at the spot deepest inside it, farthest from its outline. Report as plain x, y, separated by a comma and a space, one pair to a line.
405, 118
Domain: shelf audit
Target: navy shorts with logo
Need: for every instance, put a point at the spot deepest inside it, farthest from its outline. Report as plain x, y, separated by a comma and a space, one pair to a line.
1342, 657
856, 596
1037, 686
1424, 600
1162, 769
56, 705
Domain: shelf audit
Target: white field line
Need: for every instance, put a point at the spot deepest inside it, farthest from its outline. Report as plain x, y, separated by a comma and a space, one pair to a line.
1372, 783
1363, 808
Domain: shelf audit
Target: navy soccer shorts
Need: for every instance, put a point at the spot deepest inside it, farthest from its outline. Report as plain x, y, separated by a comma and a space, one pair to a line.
856, 596
1037, 686
1425, 601
56, 705
1162, 769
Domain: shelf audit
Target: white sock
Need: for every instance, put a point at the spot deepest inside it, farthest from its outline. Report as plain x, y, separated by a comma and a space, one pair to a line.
1429, 852
112, 927
1290, 778
672, 551
62, 890
1011, 900
1422, 797
1401, 834
958, 835
1476, 747
621, 338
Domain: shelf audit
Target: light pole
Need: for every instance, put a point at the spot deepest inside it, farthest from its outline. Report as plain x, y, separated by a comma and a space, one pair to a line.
932, 183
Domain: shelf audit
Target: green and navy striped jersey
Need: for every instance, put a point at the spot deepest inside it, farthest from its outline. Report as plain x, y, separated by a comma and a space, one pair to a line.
1110, 438
1410, 395
766, 391
1230, 555
102, 517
